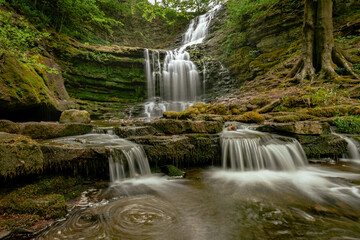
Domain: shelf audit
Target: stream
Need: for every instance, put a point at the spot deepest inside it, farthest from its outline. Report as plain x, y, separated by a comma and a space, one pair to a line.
274, 200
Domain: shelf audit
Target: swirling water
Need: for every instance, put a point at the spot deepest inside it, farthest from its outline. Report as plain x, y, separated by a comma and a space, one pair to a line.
291, 201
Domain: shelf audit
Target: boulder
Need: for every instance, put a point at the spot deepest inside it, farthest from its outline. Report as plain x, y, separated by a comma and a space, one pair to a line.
75, 116
19, 156
303, 127
44, 130
170, 126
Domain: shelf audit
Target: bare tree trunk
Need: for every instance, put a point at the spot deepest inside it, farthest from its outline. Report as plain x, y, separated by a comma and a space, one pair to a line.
319, 54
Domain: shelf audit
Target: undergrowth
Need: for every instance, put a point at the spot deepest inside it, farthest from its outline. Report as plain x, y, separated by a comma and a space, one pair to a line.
348, 124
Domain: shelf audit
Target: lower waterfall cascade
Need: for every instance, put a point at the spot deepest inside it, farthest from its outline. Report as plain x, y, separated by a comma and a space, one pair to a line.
126, 159
249, 150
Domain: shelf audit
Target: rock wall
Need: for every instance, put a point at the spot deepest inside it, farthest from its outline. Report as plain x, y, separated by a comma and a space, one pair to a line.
106, 80
31, 91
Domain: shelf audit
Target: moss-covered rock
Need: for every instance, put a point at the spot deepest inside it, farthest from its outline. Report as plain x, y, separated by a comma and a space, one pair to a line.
302, 127
172, 171
133, 131
19, 156
75, 116
31, 91
75, 160
169, 126
252, 117
44, 130
323, 146
181, 151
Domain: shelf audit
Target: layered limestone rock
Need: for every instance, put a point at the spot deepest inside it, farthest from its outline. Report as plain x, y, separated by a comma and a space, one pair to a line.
75, 116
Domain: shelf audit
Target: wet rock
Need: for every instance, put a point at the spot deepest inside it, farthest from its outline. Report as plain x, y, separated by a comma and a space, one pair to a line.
181, 150
303, 127
75, 160
75, 116
44, 130
169, 126
19, 156
172, 171
323, 146
133, 131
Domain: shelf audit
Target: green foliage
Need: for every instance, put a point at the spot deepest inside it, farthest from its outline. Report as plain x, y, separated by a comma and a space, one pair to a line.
348, 124
246, 10
324, 97
16, 35
356, 68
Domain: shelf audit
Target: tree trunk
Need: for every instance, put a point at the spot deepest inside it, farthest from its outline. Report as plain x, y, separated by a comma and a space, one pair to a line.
318, 52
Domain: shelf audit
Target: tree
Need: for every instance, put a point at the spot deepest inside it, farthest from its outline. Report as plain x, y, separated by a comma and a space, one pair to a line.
319, 53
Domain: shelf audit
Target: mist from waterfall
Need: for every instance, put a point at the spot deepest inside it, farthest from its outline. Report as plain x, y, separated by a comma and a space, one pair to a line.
176, 85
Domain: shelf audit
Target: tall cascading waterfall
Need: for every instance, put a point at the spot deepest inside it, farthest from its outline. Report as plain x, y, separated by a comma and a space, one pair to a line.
177, 85
249, 150
126, 159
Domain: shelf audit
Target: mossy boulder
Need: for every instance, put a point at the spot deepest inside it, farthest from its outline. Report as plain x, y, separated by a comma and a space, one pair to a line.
44, 130
169, 126
252, 117
75, 116
19, 156
172, 171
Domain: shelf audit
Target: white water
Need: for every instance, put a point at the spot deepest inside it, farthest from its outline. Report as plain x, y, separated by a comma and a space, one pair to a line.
275, 164
126, 159
249, 150
353, 154
176, 85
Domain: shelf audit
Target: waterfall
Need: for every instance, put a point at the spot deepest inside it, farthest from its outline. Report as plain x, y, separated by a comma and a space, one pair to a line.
126, 159
249, 150
353, 151
177, 85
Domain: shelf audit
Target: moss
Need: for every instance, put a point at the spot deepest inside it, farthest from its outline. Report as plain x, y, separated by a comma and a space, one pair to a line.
288, 118
252, 117
171, 114
19, 156
172, 171
188, 113
323, 146
348, 124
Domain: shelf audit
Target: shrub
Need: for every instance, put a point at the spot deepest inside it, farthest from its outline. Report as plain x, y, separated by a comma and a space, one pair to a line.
348, 124
252, 117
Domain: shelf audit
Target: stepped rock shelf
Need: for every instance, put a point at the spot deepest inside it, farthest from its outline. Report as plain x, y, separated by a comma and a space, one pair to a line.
183, 143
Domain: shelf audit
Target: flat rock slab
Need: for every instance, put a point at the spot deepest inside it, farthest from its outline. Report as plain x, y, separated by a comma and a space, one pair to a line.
134, 131
170, 126
44, 130
87, 161
302, 127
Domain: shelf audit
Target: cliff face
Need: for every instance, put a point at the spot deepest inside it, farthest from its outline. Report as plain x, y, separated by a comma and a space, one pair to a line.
102, 79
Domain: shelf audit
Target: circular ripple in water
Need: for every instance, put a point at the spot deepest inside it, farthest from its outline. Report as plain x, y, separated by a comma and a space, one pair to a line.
145, 217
